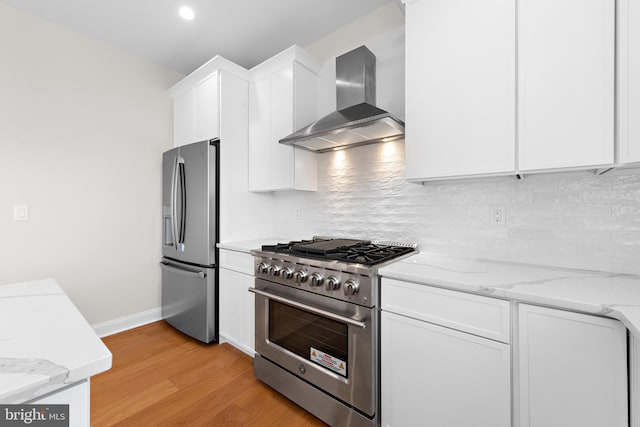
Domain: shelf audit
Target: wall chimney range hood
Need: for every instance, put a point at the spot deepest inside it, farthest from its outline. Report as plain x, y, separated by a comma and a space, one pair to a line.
358, 121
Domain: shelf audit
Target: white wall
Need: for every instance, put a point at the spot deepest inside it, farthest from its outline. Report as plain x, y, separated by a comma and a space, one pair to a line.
571, 219
359, 32
82, 129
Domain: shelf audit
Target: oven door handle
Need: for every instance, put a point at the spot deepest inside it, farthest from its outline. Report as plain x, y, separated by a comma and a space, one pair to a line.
310, 309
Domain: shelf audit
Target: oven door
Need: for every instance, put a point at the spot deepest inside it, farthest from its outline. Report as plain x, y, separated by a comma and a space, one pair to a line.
327, 342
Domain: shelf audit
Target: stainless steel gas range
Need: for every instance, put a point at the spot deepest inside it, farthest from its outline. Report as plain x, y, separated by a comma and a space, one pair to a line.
317, 324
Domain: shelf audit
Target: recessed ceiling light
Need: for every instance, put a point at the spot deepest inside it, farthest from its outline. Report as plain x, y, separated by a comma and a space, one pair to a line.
187, 13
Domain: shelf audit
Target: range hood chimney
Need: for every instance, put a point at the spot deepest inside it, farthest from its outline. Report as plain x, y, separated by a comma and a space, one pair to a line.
358, 121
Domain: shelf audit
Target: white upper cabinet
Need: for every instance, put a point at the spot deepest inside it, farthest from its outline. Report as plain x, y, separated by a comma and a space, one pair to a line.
196, 112
183, 118
460, 88
479, 103
628, 82
282, 99
566, 57
198, 99
206, 96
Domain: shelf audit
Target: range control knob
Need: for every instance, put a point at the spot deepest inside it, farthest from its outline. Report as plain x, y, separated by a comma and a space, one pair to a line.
351, 287
274, 271
332, 284
262, 267
316, 279
286, 273
300, 276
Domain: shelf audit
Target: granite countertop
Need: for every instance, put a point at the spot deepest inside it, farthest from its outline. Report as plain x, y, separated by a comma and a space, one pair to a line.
601, 293
249, 245
45, 343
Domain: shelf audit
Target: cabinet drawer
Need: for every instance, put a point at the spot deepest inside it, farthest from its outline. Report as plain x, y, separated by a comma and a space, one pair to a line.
237, 261
478, 315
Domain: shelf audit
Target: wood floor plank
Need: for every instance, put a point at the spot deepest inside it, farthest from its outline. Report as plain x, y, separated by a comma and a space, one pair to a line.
161, 377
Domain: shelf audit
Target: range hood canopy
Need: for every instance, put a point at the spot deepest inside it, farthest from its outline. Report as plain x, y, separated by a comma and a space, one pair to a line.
358, 121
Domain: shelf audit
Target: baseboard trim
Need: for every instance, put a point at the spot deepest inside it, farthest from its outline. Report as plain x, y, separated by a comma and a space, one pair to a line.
125, 323
225, 338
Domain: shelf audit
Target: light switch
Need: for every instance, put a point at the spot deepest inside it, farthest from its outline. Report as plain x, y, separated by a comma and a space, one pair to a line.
21, 213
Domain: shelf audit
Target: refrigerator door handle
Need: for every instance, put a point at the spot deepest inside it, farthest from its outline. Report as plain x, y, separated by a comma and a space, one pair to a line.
174, 177
171, 267
174, 201
183, 199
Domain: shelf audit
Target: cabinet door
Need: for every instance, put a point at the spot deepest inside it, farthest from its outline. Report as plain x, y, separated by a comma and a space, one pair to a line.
573, 369
282, 107
628, 25
207, 109
278, 104
76, 396
183, 119
460, 88
566, 83
260, 135
304, 112
435, 376
236, 308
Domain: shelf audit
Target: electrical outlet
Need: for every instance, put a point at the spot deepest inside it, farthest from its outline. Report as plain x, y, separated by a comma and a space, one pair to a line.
498, 216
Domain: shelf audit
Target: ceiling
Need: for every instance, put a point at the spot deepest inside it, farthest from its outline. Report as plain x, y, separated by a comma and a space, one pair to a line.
243, 31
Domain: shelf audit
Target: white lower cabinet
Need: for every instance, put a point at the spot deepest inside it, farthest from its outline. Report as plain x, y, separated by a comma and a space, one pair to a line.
449, 360
435, 376
236, 303
77, 397
572, 369
435, 373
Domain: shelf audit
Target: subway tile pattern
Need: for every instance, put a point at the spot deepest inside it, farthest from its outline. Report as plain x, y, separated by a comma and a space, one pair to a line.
574, 219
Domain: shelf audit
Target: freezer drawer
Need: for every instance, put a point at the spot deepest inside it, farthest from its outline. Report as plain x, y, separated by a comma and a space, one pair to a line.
188, 299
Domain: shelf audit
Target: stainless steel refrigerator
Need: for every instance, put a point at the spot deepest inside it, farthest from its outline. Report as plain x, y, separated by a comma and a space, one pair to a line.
190, 199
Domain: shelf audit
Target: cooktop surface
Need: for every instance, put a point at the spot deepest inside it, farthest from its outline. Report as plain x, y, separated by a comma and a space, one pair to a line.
344, 250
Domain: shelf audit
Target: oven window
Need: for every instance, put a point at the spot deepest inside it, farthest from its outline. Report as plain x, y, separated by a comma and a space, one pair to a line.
313, 337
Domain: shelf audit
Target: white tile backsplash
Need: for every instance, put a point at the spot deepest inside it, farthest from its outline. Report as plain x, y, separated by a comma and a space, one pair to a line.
572, 219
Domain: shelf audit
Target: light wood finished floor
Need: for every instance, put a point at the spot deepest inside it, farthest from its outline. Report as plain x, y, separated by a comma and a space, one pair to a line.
163, 378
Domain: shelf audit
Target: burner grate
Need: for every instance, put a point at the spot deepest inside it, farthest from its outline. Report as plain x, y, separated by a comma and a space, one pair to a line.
368, 254
287, 247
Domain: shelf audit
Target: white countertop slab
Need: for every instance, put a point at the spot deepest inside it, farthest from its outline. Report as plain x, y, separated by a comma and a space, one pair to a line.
607, 294
248, 245
45, 343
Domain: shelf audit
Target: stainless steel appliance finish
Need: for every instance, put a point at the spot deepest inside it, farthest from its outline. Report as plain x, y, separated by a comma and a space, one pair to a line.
188, 299
190, 233
358, 121
317, 325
